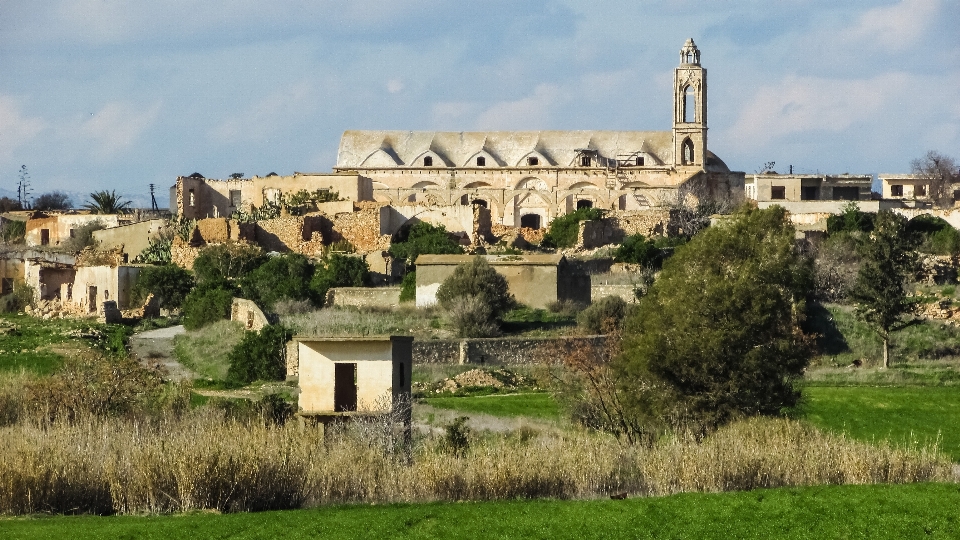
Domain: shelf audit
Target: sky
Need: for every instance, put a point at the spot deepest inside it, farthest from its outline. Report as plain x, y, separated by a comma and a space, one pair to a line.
111, 94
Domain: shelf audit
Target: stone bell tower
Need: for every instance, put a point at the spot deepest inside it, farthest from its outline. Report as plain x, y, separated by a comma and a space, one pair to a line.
689, 109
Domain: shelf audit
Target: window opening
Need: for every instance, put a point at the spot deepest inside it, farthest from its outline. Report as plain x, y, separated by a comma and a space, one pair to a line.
481, 161
778, 192
428, 161
639, 161
585, 161
896, 190
689, 105
235, 198
920, 191
73, 233
91, 299
401, 375
533, 161
530, 221
584, 203
808, 193
688, 156
479, 202
44, 237
846, 193
193, 198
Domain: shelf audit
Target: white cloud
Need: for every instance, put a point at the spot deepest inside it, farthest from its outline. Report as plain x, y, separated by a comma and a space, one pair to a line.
116, 127
895, 27
532, 112
15, 128
268, 116
395, 85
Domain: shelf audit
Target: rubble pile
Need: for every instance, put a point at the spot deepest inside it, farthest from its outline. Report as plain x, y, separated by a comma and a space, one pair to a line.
361, 228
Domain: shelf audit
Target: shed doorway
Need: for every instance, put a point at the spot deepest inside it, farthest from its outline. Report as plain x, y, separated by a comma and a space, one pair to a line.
344, 387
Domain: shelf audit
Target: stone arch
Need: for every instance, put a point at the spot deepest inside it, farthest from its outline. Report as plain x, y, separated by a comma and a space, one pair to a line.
687, 153
532, 182
428, 155
533, 159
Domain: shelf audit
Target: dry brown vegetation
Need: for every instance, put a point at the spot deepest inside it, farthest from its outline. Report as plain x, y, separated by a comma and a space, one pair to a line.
204, 460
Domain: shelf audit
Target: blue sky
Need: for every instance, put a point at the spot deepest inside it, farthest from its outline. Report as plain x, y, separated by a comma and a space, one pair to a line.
107, 94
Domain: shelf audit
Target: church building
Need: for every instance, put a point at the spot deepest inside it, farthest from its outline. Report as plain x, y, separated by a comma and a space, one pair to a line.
527, 178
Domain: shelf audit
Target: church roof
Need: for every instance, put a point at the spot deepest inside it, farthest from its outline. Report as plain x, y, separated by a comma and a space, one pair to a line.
387, 149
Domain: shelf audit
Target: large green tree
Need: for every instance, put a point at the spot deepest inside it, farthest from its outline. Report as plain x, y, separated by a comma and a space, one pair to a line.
718, 335
423, 238
887, 259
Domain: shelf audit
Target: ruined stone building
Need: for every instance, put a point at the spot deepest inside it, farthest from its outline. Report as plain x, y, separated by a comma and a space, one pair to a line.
526, 178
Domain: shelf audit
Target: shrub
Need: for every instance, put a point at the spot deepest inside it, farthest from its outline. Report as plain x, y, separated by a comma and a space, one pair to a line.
339, 271
289, 306
13, 231
169, 283
565, 229
423, 238
718, 335
21, 297
206, 304
157, 251
226, 262
471, 317
477, 278
603, 316
851, 220
935, 235
259, 356
636, 249
457, 436
408, 287
83, 236
282, 277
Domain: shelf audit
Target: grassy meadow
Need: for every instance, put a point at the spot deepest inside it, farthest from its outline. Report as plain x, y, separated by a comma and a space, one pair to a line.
878, 511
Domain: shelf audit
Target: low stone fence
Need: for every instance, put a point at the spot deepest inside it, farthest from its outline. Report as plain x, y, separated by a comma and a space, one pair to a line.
627, 292
363, 296
500, 351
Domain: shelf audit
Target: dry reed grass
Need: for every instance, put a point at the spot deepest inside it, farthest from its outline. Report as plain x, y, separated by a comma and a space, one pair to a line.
204, 461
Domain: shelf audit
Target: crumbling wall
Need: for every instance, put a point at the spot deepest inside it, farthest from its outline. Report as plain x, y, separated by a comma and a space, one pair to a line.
599, 232
300, 234
659, 222
360, 227
183, 254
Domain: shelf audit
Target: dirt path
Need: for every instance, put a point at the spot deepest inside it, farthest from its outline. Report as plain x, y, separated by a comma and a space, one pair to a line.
155, 347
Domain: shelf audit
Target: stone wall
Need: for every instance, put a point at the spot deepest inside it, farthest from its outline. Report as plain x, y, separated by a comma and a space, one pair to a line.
623, 291
182, 254
360, 227
247, 313
499, 351
300, 234
363, 296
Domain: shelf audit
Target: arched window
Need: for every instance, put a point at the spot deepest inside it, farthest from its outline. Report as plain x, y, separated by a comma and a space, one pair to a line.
479, 202
584, 161
584, 203
689, 105
428, 161
481, 161
688, 157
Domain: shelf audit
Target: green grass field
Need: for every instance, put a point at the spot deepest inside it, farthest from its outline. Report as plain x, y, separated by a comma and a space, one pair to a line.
205, 351
880, 511
535, 405
29, 347
899, 414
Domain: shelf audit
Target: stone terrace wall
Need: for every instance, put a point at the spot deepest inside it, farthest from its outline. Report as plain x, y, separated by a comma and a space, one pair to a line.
363, 296
499, 351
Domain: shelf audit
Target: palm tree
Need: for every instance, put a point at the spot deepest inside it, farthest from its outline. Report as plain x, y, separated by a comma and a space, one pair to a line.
106, 202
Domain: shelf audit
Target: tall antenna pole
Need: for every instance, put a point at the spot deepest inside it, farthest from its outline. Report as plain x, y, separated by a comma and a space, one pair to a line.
153, 200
